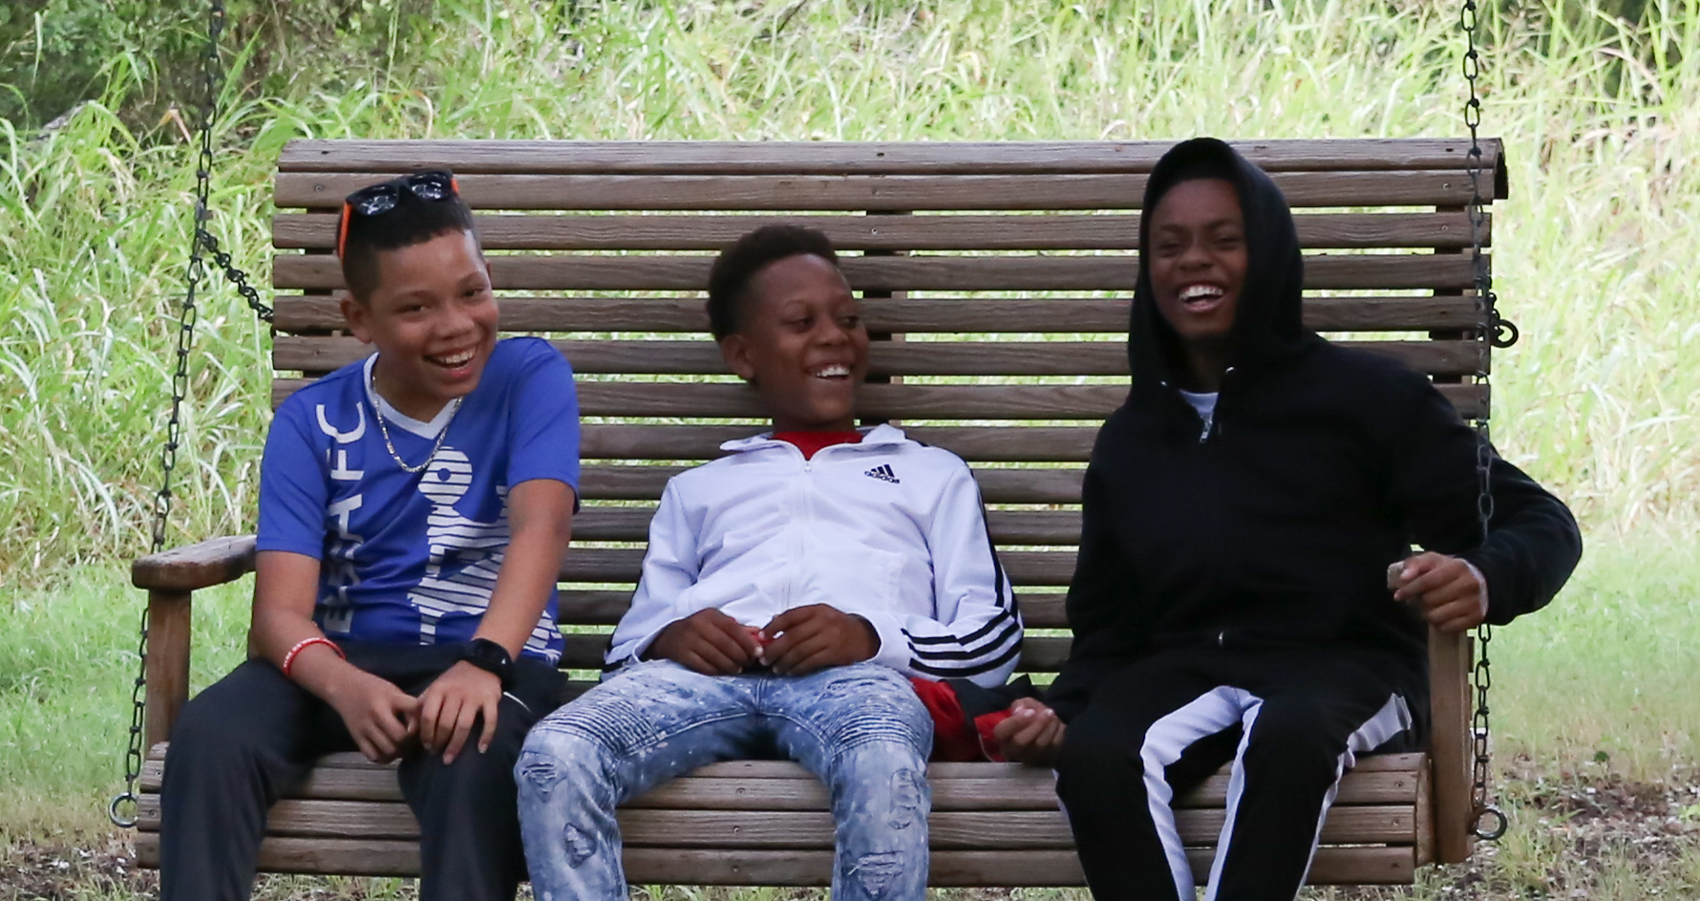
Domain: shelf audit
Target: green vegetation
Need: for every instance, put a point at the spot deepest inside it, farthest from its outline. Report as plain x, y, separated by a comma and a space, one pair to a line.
1597, 259
1596, 251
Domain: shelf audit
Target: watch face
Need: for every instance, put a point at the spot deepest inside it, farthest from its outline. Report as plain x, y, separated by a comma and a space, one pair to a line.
490, 656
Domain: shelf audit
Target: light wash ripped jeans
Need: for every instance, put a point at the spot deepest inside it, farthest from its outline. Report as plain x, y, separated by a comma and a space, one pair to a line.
859, 728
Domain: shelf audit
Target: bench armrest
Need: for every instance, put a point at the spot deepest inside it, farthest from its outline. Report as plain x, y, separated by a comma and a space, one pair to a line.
171, 578
201, 565
1451, 744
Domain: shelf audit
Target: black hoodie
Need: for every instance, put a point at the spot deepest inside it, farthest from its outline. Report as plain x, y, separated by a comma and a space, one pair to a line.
1322, 466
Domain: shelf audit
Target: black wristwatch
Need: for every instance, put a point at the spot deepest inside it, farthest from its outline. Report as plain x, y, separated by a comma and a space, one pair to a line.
491, 658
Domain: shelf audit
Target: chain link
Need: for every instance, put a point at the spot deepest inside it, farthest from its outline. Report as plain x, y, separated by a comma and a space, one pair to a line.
123, 808
204, 241
1491, 331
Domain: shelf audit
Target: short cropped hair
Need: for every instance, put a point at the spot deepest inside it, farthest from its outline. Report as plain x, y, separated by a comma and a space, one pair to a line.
729, 279
413, 221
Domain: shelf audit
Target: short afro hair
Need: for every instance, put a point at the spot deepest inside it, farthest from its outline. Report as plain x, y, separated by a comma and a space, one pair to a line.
730, 277
412, 221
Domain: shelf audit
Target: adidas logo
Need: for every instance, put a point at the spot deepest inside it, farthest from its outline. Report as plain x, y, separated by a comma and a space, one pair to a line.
883, 473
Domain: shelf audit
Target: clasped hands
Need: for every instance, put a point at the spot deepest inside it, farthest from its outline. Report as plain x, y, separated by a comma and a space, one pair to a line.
386, 722
799, 641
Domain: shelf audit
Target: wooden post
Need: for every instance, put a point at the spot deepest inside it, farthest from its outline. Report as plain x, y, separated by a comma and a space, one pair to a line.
1449, 659
168, 661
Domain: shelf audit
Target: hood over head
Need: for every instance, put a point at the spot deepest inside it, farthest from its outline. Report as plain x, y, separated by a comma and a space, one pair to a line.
1268, 322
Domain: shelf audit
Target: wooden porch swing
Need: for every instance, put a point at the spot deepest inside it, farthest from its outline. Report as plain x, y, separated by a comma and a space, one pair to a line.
996, 278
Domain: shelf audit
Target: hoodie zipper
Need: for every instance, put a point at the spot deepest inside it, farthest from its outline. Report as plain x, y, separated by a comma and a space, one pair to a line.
1213, 425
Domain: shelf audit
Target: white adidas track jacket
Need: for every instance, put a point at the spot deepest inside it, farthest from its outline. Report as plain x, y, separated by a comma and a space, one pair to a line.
889, 529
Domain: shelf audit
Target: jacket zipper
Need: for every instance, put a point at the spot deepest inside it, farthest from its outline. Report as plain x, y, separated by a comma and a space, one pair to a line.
1213, 425
798, 510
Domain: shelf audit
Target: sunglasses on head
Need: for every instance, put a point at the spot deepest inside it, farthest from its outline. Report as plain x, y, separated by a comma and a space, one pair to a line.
376, 200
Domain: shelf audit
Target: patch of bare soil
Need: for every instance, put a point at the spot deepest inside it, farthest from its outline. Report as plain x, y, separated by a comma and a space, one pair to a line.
54, 869
1650, 827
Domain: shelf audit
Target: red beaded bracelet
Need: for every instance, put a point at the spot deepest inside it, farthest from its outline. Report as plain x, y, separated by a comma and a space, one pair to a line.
305, 643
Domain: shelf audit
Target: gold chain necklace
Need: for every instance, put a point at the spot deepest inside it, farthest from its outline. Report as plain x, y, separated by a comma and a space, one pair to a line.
389, 445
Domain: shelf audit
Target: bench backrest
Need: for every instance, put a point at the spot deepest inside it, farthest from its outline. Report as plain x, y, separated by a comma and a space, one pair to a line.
996, 280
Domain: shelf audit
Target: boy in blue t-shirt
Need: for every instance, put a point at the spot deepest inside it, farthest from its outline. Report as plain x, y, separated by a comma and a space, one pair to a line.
414, 511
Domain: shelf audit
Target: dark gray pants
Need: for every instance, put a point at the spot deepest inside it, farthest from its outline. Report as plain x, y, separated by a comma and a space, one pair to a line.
246, 740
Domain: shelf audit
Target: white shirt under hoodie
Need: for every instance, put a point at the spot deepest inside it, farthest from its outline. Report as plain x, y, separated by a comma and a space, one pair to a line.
888, 529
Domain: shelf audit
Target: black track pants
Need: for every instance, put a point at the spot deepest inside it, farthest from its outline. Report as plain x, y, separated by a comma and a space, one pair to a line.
246, 740
1291, 725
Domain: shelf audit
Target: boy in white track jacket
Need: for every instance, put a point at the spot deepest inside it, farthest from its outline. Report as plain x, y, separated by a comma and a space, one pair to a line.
789, 591
887, 529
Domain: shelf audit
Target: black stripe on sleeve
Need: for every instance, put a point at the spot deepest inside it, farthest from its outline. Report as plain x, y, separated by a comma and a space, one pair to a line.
1012, 631
952, 672
991, 625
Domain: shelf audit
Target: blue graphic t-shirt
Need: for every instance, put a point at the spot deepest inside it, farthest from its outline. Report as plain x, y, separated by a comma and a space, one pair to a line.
412, 558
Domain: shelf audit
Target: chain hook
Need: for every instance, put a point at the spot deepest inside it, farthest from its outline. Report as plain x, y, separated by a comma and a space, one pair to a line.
1493, 833
124, 799
1505, 333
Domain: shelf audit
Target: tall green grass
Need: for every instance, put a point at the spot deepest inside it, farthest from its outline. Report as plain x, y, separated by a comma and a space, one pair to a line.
1597, 256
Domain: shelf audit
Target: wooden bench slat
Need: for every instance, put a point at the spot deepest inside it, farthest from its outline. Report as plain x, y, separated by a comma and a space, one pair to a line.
1316, 231
466, 156
976, 444
1332, 866
962, 830
1007, 527
593, 606
784, 769
604, 607
981, 358
309, 313
1408, 762
879, 193
1102, 272
882, 402
997, 486
1378, 779
738, 830
1039, 654
1003, 792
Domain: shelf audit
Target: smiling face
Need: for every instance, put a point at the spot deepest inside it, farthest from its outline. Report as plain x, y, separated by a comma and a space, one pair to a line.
1197, 259
432, 317
802, 343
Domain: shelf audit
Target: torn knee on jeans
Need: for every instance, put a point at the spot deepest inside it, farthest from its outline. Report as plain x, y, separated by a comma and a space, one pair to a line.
876, 872
541, 773
581, 845
906, 791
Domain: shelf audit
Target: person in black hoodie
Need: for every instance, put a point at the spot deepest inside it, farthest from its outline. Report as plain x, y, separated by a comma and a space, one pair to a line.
1241, 512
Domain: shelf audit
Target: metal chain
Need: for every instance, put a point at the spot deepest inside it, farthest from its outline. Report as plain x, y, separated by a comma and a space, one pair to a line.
123, 808
213, 72
1492, 331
